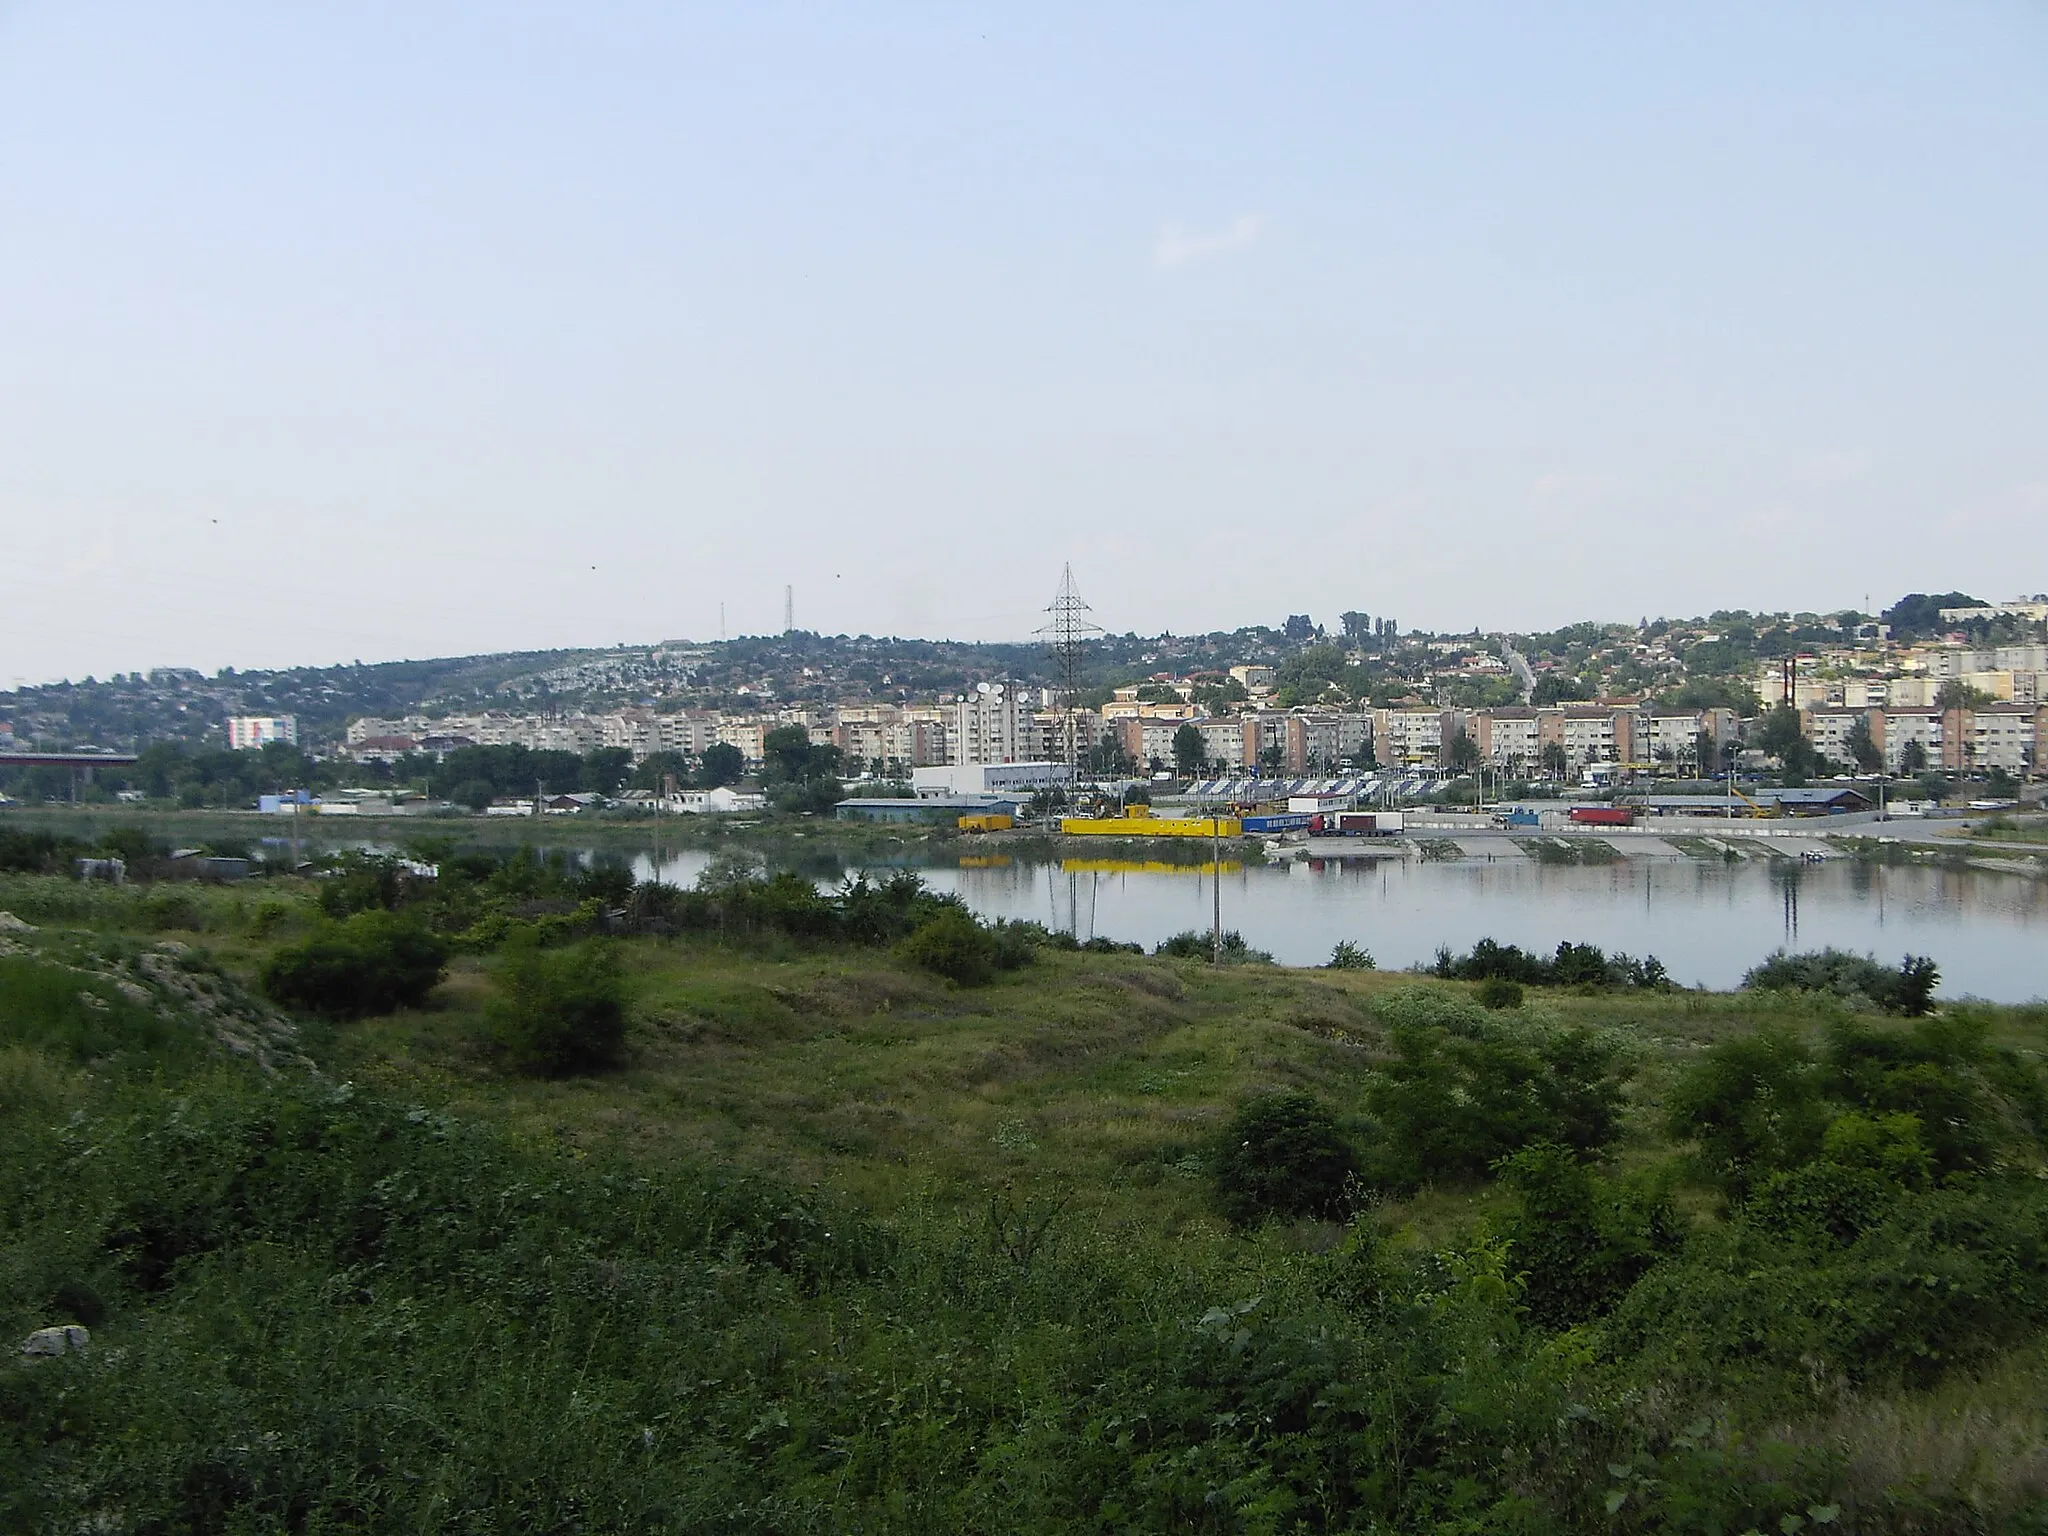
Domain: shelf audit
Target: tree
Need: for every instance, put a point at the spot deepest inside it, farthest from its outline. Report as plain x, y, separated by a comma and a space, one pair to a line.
1552, 757
1919, 614
656, 768
1913, 758
1863, 747
606, 769
1190, 752
1357, 626
1780, 734
786, 753
722, 764
1299, 627
1558, 688
1464, 752
1957, 694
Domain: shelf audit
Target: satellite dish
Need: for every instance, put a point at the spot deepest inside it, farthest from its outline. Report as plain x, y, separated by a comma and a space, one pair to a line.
981, 687
997, 690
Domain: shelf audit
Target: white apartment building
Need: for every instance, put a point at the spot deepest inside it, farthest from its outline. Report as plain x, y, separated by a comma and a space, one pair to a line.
2000, 736
1223, 740
991, 725
1508, 738
1414, 738
1911, 725
1829, 730
1595, 735
250, 731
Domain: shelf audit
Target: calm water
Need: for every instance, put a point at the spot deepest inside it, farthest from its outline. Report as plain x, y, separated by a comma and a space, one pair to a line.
1707, 922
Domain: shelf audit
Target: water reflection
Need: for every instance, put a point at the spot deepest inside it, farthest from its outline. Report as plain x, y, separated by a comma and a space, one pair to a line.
1708, 921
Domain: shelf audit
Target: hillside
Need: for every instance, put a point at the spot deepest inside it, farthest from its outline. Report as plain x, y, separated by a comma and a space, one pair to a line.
837, 1243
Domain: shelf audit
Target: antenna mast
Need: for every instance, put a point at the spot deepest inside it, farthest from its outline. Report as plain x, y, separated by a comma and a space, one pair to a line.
789, 610
1066, 636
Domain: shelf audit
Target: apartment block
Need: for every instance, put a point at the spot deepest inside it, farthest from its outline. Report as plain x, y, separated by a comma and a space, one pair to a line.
1417, 737
991, 725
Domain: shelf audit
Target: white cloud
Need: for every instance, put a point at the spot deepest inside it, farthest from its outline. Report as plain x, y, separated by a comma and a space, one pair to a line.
1176, 247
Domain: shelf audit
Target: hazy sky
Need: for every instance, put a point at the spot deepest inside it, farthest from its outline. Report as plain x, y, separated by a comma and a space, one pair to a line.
402, 330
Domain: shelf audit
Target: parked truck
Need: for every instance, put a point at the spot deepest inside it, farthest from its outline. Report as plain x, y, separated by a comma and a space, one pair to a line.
1517, 816
1603, 815
1358, 823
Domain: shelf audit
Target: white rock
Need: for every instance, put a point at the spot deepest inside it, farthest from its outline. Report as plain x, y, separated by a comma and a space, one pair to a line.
68, 1340
9, 923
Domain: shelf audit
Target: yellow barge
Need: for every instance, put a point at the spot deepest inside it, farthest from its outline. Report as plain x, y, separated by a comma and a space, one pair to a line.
1138, 821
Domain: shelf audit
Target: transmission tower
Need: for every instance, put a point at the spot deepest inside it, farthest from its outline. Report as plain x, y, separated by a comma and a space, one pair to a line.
1066, 635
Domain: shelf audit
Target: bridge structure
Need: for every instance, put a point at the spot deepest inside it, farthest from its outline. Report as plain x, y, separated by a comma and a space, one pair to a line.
81, 764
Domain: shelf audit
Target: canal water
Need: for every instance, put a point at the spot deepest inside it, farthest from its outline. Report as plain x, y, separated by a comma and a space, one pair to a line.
1707, 921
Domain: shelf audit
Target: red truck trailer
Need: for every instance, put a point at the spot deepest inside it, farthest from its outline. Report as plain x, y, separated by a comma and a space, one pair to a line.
1603, 815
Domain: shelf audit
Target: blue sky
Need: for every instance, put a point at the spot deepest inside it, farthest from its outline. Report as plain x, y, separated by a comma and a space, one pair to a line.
389, 330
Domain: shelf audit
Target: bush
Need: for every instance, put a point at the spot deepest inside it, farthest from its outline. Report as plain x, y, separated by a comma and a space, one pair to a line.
1753, 1106
1447, 1107
1194, 944
372, 963
1348, 956
1582, 1241
955, 946
1573, 965
1908, 990
560, 1011
1498, 992
1282, 1155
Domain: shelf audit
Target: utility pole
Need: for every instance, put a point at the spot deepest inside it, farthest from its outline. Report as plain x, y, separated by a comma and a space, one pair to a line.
788, 610
1216, 889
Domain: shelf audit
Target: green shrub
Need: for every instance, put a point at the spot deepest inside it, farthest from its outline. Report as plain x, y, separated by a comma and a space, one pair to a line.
1908, 990
1194, 944
952, 944
1573, 965
1282, 1155
1753, 1107
1498, 992
560, 1011
1447, 1106
1348, 956
1581, 1241
371, 963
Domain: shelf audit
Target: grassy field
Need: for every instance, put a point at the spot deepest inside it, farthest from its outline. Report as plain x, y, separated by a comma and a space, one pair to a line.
841, 1245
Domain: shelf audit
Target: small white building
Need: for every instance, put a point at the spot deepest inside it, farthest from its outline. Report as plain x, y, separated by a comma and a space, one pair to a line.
722, 801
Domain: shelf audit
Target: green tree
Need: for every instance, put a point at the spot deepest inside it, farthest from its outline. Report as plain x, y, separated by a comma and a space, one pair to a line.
1190, 752
658, 767
1780, 734
786, 753
1553, 760
722, 764
1558, 688
1913, 758
1863, 747
1464, 752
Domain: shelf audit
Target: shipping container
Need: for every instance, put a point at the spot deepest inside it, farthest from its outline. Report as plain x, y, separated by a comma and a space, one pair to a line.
1358, 823
1604, 815
1279, 821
